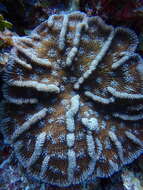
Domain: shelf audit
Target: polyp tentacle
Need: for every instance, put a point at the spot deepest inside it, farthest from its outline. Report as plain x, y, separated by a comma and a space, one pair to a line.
71, 56
79, 28
122, 60
125, 58
51, 88
23, 63
127, 117
18, 101
31, 55
76, 41
91, 165
71, 165
91, 153
71, 137
98, 98
38, 149
99, 148
91, 124
125, 95
63, 32
96, 61
133, 138
34, 58
28, 124
51, 21
91, 146
71, 113
36, 153
44, 166
118, 145
131, 48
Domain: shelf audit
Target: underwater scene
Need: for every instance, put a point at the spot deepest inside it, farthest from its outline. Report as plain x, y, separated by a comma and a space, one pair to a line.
71, 95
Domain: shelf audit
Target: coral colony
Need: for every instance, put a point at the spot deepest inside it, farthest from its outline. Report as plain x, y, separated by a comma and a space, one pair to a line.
73, 94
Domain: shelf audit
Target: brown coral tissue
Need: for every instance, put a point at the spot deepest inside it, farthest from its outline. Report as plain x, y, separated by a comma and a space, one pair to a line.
73, 92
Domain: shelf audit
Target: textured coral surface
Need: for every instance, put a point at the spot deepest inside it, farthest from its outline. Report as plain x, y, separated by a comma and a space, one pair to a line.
73, 99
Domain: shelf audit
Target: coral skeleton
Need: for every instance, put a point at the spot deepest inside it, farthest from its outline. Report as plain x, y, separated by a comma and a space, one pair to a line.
72, 108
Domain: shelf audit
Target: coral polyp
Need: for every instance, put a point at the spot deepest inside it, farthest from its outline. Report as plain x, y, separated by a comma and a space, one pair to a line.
73, 94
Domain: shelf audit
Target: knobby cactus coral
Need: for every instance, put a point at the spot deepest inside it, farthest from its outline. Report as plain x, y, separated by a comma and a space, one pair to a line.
73, 99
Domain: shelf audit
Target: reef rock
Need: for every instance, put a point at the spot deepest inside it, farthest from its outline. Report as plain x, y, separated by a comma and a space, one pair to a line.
73, 93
